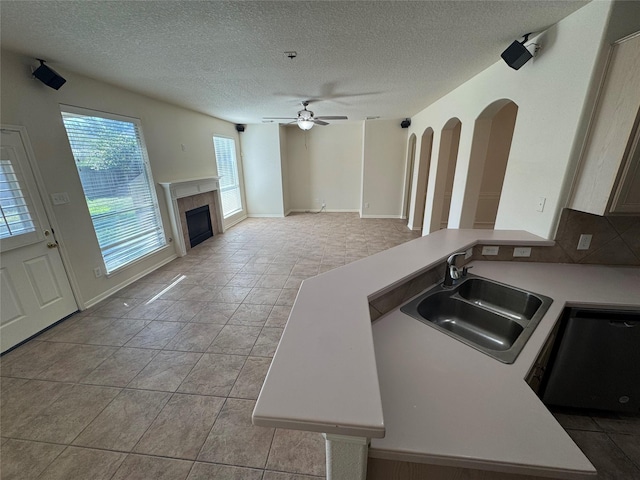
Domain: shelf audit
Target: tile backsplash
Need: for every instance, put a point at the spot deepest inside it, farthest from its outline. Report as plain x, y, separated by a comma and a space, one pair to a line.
615, 241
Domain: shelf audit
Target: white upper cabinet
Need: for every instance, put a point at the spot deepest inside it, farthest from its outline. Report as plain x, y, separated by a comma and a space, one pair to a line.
608, 180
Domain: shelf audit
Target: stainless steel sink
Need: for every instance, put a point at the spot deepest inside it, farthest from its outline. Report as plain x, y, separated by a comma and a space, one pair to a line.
492, 317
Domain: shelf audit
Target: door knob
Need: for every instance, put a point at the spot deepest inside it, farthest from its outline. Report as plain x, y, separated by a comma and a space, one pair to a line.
52, 245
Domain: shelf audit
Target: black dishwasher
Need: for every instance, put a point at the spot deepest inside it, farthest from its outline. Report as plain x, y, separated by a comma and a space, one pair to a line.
597, 361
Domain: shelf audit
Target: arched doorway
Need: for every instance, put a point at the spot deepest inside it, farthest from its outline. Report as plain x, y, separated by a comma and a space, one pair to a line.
411, 158
421, 180
445, 173
492, 135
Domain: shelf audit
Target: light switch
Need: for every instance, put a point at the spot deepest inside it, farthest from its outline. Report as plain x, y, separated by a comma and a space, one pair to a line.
60, 198
585, 241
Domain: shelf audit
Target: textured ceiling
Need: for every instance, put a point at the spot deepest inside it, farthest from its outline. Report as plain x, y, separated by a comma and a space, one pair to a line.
226, 58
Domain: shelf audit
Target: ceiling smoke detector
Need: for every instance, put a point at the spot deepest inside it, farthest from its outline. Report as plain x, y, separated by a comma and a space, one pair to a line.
291, 55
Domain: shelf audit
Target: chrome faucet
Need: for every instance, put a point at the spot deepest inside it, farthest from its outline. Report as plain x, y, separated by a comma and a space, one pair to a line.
453, 273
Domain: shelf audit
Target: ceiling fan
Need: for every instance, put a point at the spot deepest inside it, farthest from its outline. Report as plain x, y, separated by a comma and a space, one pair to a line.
305, 118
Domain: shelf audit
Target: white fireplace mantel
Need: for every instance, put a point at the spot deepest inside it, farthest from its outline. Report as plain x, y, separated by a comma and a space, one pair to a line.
186, 188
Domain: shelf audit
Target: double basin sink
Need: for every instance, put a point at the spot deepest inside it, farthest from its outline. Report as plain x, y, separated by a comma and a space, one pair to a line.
492, 317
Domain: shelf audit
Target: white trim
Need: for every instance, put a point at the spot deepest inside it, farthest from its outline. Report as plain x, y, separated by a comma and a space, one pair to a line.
234, 222
287, 212
48, 208
415, 229
129, 281
309, 210
265, 215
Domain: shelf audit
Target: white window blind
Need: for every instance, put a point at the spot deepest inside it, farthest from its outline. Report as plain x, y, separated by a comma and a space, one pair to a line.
114, 170
225, 149
14, 202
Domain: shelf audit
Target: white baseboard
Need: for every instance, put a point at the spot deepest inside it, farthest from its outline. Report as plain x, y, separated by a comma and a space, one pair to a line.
414, 228
304, 210
235, 222
287, 212
117, 288
265, 215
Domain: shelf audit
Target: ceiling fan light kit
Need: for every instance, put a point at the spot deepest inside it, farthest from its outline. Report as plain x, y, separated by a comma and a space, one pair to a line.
305, 118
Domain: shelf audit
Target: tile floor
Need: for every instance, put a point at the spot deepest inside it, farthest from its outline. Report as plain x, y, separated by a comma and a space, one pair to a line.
159, 381
611, 441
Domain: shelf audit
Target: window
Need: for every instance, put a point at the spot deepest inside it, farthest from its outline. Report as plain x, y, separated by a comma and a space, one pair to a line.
114, 170
225, 149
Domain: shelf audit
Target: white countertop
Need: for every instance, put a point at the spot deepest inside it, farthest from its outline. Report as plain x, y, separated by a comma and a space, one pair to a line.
324, 377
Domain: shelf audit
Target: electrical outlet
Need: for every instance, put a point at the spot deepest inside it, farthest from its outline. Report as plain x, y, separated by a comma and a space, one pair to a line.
468, 254
522, 252
585, 241
60, 198
97, 272
541, 202
366, 205
490, 250
323, 204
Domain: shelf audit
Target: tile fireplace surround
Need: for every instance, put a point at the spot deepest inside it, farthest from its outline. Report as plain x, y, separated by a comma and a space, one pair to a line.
185, 195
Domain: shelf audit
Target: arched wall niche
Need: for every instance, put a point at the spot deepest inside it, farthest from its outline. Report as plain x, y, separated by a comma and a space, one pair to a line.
409, 174
491, 143
438, 215
421, 175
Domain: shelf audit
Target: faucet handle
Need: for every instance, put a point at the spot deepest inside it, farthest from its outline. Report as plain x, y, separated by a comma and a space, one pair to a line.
452, 257
465, 270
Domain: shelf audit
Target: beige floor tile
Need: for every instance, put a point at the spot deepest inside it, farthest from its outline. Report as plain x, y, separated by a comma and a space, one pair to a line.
263, 296
69, 414
267, 342
121, 367
9, 383
235, 340
629, 444
272, 281
77, 363
297, 452
117, 307
287, 297
255, 268
305, 270
22, 459
251, 378
166, 371
234, 440
182, 427
194, 337
619, 423
609, 460
201, 293
176, 292
83, 330
231, 294
142, 467
83, 463
294, 281
183, 310
250, 315
208, 471
149, 311
155, 335
124, 421
38, 357
244, 280
214, 374
278, 316
216, 312
268, 475
282, 268
19, 408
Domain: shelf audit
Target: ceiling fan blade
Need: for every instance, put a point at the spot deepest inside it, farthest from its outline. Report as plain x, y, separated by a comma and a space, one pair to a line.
278, 118
319, 122
332, 117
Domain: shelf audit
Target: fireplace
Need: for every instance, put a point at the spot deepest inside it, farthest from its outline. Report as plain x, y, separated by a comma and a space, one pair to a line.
199, 225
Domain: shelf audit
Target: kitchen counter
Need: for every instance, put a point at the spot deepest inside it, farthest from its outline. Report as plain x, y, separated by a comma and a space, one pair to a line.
325, 374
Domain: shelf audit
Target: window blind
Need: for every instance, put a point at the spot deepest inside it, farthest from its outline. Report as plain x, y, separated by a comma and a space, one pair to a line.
114, 170
225, 150
14, 203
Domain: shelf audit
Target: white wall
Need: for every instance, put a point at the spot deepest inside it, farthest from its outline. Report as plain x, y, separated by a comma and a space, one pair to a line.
384, 164
262, 170
550, 92
284, 164
28, 102
324, 163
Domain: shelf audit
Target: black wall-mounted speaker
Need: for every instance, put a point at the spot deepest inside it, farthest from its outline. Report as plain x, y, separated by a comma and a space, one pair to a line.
240, 128
49, 76
406, 123
516, 55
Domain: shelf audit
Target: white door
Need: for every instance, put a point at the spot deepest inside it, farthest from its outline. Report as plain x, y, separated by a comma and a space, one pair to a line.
34, 288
